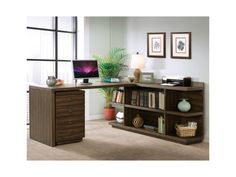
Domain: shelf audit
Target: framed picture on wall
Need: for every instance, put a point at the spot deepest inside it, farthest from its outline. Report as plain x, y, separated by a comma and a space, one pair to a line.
156, 45
181, 45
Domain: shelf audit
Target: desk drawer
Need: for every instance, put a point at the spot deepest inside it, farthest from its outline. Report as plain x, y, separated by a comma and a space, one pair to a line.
69, 135
68, 98
69, 123
70, 111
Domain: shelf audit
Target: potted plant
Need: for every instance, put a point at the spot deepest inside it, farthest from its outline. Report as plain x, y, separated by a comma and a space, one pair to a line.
110, 66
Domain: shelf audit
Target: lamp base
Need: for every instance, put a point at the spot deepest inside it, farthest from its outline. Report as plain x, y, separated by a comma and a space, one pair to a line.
137, 73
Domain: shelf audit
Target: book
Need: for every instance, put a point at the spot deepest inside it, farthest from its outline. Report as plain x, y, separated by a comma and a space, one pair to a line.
141, 98
151, 100
137, 98
134, 97
123, 98
157, 100
149, 127
145, 99
119, 96
161, 125
114, 93
161, 100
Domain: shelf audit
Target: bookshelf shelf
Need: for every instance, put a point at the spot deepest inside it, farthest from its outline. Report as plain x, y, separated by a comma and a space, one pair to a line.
152, 101
174, 138
143, 108
183, 114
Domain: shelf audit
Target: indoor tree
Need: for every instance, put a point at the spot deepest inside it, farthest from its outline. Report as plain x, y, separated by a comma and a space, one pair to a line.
110, 66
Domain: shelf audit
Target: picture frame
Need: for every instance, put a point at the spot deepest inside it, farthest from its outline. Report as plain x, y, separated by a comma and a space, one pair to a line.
181, 45
146, 78
156, 45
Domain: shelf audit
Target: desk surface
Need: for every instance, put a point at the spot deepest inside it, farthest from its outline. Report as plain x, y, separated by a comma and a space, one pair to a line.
78, 86
195, 86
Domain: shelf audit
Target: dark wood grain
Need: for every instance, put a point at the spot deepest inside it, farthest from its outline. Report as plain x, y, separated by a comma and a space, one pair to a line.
143, 108
41, 116
70, 87
194, 94
173, 138
56, 117
70, 120
57, 113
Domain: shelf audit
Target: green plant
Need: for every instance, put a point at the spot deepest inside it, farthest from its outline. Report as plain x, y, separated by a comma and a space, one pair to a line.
110, 66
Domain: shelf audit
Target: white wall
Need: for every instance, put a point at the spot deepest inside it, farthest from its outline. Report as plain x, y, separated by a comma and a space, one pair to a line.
130, 32
197, 67
101, 34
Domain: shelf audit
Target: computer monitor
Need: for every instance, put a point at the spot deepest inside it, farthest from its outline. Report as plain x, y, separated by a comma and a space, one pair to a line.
85, 69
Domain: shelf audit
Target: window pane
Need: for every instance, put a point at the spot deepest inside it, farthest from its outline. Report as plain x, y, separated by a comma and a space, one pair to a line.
40, 44
65, 72
38, 71
41, 22
66, 23
65, 46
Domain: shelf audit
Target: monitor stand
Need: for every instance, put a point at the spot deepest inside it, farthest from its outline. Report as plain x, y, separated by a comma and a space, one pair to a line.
85, 82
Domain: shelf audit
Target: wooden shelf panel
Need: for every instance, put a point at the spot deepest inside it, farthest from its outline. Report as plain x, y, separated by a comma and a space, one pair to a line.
179, 88
144, 108
173, 138
184, 114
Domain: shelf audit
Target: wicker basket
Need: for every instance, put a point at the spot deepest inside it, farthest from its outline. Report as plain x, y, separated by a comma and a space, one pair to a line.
185, 131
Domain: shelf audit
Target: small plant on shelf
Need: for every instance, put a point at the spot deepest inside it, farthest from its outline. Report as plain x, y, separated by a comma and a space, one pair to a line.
110, 66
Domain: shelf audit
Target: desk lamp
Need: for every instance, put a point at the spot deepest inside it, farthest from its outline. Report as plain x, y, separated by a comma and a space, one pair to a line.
137, 63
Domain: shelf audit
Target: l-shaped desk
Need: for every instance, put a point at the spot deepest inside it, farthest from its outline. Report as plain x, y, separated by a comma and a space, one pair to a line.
57, 113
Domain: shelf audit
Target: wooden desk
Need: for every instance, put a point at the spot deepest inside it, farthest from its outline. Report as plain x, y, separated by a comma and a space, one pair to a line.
57, 113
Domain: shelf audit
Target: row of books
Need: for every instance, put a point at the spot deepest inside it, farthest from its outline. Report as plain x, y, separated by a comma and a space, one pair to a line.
161, 126
148, 99
118, 96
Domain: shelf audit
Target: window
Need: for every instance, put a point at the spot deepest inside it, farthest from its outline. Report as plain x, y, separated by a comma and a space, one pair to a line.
52, 44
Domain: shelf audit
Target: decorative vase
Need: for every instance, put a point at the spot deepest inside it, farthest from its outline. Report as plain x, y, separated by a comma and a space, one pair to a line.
51, 81
138, 121
184, 105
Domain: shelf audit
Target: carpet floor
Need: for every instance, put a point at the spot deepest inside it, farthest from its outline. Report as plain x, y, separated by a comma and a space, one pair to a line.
102, 142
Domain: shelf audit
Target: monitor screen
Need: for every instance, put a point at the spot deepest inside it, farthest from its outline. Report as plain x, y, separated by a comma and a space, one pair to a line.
85, 69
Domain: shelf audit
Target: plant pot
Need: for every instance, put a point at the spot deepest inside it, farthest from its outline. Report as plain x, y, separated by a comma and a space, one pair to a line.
109, 113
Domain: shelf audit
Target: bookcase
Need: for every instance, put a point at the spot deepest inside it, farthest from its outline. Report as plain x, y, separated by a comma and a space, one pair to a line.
153, 101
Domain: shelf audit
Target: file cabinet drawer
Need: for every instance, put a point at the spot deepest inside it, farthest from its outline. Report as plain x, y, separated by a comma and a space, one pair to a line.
68, 98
